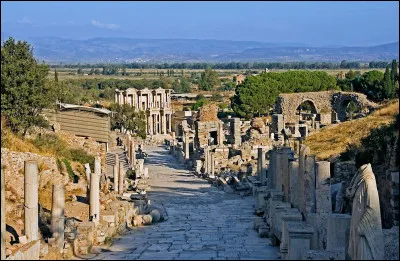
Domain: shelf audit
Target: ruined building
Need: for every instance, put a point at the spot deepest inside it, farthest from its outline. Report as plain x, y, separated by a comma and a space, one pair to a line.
156, 103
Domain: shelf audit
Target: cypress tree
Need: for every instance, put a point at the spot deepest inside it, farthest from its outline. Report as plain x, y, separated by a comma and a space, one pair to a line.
56, 75
387, 84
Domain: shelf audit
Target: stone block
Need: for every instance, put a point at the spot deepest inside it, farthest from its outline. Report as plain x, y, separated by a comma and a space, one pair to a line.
299, 239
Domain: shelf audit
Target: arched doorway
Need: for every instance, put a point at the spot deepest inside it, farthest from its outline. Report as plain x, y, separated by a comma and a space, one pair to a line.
348, 109
305, 110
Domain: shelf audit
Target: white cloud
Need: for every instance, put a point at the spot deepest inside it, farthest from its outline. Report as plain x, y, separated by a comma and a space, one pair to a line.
24, 21
103, 25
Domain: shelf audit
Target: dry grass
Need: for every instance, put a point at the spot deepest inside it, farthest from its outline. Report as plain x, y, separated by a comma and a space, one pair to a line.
332, 141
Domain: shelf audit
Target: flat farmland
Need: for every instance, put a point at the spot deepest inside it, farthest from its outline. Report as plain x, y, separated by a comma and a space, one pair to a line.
151, 74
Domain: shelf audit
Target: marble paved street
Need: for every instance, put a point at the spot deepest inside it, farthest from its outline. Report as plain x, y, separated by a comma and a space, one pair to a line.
203, 221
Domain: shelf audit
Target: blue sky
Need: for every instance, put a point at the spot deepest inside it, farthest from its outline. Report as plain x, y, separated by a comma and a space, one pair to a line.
313, 23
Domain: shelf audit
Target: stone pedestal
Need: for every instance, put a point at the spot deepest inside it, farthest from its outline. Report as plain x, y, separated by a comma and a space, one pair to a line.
57, 215
338, 224
299, 239
287, 217
31, 187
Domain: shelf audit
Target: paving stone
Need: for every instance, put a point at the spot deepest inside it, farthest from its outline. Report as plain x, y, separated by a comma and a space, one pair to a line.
203, 222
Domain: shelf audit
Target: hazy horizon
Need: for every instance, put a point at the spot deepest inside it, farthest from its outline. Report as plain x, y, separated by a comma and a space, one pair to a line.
308, 23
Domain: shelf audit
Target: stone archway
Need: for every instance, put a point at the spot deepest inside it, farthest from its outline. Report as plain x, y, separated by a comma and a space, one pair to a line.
341, 100
306, 107
325, 103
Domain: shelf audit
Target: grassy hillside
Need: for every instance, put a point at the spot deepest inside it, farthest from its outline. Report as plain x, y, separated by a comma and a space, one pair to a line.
334, 140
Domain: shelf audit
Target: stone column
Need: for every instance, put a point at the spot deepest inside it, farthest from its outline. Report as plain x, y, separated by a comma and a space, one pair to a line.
116, 172
94, 209
121, 178
323, 204
304, 151
212, 165
309, 186
285, 154
261, 166
3, 217
164, 124
31, 187
133, 153
293, 186
272, 169
57, 215
206, 152
221, 135
169, 122
186, 144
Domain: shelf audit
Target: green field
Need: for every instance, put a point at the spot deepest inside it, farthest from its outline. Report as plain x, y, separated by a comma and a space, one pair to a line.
70, 74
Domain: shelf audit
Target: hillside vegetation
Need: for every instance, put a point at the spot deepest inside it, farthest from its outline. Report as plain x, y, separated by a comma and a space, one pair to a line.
338, 139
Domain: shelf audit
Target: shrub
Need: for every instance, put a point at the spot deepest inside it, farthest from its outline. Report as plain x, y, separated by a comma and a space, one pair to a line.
69, 169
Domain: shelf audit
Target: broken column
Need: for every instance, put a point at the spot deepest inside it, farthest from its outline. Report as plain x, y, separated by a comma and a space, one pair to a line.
323, 199
31, 187
121, 178
261, 169
94, 208
277, 123
116, 172
57, 215
3, 217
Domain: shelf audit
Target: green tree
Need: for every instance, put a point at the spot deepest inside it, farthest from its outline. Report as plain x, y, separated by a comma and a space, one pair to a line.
25, 90
394, 76
126, 116
387, 84
181, 86
254, 97
80, 72
209, 80
55, 75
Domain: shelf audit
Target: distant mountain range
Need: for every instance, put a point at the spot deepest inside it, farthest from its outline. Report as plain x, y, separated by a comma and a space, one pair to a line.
111, 50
